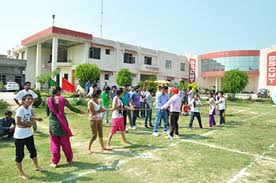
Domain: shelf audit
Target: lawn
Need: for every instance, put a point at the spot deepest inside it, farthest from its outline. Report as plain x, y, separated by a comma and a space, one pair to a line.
243, 150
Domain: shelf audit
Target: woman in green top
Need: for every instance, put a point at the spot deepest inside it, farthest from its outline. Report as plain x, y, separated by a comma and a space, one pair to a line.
105, 102
60, 132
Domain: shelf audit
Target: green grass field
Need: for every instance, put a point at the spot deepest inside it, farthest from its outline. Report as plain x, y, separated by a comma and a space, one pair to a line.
243, 150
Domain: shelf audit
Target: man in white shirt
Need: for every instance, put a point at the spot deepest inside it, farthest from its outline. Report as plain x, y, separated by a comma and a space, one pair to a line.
222, 106
18, 98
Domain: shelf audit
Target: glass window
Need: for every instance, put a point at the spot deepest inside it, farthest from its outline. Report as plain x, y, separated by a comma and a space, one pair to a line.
182, 67
168, 64
147, 60
129, 58
95, 53
107, 51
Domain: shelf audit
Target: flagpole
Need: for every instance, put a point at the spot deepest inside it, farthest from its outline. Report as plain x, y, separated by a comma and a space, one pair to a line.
101, 26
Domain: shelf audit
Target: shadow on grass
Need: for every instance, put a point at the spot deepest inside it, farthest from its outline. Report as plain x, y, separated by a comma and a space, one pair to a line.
6, 143
69, 176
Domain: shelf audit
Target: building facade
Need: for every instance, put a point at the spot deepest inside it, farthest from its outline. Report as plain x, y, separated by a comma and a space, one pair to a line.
63, 49
12, 70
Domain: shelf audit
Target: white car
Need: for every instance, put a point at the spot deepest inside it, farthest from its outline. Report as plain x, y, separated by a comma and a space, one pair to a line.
11, 86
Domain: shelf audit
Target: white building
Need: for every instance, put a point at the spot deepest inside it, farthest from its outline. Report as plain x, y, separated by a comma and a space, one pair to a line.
63, 49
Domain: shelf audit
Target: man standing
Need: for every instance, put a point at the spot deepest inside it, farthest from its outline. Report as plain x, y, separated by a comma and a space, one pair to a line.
105, 102
18, 97
126, 113
92, 89
135, 103
161, 99
175, 104
142, 99
148, 104
7, 125
87, 86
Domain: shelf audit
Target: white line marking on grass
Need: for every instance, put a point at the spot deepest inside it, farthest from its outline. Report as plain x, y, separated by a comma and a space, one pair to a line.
243, 172
256, 116
228, 149
209, 133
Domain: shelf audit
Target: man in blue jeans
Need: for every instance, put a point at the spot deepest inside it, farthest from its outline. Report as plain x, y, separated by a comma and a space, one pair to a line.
161, 99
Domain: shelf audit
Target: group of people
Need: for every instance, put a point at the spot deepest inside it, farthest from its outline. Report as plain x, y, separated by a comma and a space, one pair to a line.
126, 103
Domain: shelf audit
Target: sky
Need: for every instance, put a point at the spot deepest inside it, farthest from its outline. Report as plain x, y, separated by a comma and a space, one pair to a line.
177, 26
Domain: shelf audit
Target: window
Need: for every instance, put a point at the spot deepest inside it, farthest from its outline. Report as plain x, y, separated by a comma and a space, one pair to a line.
107, 51
106, 77
128, 58
3, 78
95, 53
182, 67
147, 61
168, 64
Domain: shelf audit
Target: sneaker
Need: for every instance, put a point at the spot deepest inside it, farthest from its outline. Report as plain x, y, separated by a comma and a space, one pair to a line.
134, 127
146, 126
37, 131
176, 136
53, 165
155, 134
189, 128
169, 137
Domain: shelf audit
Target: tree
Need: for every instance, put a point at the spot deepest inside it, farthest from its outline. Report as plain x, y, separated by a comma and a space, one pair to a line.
194, 86
234, 81
86, 72
141, 84
44, 78
124, 77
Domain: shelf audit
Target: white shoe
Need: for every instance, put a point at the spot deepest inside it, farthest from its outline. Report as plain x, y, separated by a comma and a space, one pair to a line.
170, 137
165, 132
176, 136
134, 127
155, 134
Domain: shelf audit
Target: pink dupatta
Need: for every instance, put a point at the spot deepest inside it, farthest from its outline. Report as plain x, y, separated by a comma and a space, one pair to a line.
59, 114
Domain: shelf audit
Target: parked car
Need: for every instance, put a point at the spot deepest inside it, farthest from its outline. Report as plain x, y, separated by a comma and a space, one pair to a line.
11, 86
263, 93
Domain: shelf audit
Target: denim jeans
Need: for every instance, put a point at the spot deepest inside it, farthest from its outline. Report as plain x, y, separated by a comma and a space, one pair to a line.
148, 117
221, 115
159, 115
105, 114
142, 109
134, 116
193, 115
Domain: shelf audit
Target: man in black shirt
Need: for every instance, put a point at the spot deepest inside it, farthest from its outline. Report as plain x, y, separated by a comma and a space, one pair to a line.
7, 125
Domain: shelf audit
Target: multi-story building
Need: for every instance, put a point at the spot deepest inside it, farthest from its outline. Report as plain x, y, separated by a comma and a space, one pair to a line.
63, 49
12, 69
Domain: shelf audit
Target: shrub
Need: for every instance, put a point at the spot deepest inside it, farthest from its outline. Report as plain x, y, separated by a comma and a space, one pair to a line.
141, 83
124, 77
1, 85
151, 85
4, 105
38, 100
86, 72
79, 101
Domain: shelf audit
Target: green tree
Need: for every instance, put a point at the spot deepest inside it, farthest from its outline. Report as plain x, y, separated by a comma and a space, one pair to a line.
234, 81
44, 78
86, 72
124, 77
194, 86
141, 84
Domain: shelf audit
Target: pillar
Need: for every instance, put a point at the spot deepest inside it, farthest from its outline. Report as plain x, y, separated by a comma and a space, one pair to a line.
38, 65
54, 54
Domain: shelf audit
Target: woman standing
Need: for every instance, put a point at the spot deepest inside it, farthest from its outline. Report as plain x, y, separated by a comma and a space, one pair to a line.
222, 106
194, 105
23, 134
95, 119
117, 117
212, 110
60, 132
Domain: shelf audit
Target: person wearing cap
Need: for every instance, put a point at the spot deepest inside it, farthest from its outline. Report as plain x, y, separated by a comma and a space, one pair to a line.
7, 125
175, 105
161, 99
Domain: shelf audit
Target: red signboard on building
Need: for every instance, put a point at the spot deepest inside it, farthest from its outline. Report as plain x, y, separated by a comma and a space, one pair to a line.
192, 67
271, 69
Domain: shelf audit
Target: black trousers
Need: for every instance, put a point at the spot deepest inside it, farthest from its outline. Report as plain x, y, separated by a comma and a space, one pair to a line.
19, 148
221, 115
193, 115
134, 116
174, 116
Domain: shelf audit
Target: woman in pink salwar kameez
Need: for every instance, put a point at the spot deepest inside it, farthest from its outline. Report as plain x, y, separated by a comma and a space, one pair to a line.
60, 132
